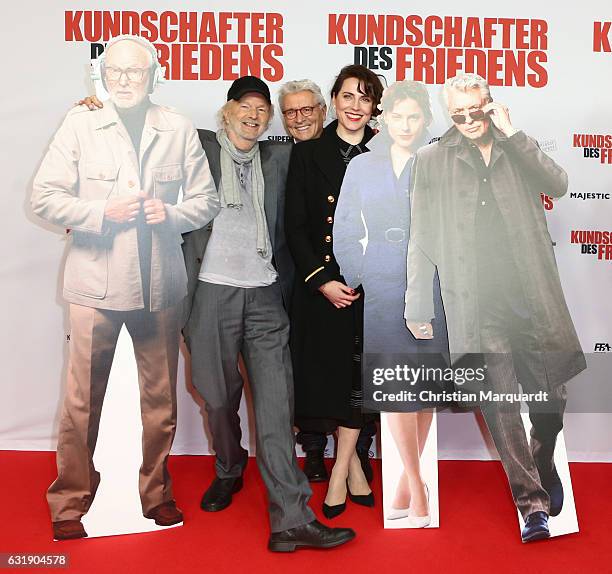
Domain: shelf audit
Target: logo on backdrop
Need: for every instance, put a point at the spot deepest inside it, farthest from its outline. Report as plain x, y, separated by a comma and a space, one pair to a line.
547, 202
280, 138
603, 348
547, 146
602, 37
592, 242
595, 146
192, 45
506, 51
588, 196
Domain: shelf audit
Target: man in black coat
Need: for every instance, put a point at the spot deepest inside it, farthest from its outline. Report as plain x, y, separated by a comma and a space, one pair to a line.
239, 274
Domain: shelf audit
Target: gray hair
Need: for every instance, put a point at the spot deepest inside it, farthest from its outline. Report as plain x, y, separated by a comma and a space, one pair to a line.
142, 42
220, 115
465, 82
295, 86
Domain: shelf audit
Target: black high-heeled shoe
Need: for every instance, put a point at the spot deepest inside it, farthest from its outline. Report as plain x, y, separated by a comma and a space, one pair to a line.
362, 499
334, 510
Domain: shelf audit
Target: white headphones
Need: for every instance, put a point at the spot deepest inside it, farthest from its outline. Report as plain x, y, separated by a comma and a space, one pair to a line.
157, 71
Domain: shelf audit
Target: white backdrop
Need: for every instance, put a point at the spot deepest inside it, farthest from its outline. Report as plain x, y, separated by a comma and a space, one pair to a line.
44, 74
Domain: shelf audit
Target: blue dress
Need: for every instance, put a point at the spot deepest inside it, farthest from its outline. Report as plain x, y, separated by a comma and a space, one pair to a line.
371, 232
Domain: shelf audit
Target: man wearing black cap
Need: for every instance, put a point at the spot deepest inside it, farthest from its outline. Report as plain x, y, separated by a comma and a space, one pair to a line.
240, 274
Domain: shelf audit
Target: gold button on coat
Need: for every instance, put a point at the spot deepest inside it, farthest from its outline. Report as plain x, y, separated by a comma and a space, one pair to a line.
328, 239
327, 258
330, 219
330, 199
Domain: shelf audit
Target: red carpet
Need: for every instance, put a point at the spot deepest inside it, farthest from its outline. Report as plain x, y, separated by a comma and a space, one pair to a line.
478, 533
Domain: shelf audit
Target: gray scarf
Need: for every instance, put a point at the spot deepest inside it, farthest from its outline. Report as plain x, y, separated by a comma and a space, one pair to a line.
229, 194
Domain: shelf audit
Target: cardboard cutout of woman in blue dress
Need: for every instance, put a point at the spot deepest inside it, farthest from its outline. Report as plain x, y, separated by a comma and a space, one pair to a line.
371, 232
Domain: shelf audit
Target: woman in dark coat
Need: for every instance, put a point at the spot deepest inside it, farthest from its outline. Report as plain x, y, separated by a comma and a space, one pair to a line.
326, 314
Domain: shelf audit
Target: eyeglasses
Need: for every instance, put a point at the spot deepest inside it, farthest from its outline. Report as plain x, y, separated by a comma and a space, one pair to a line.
292, 113
133, 74
476, 115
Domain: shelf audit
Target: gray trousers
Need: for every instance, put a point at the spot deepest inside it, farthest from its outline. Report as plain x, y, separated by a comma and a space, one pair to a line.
225, 322
511, 355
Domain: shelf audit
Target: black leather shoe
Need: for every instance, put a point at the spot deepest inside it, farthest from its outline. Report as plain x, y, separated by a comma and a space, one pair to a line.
552, 485
364, 459
219, 493
536, 527
311, 535
314, 466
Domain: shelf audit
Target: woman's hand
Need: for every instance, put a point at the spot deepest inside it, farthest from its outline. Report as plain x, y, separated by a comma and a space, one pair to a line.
420, 330
338, 294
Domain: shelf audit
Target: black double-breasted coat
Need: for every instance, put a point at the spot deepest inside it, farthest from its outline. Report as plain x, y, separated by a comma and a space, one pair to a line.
322, 336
